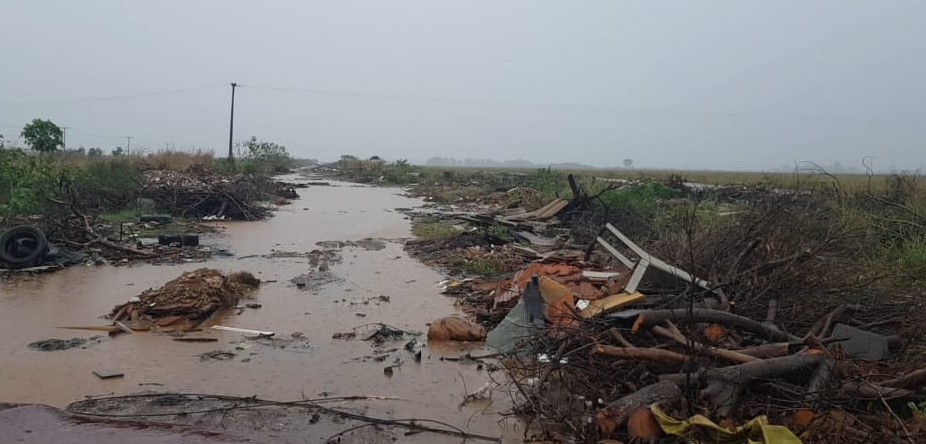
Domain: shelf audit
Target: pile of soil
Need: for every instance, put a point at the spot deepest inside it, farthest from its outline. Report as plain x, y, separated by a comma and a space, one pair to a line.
194, 295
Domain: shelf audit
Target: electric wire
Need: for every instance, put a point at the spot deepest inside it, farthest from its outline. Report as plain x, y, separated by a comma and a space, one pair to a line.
117, 97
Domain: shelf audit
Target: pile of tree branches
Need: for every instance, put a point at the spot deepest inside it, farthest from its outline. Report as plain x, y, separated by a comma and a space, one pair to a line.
206, 195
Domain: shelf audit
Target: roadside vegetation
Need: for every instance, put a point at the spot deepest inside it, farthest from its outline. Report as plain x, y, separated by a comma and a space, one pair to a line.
434, 230
873, 224
42, 178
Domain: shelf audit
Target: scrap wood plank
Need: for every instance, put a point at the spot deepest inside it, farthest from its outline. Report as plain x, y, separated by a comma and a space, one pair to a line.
654, 261
623, 259
106, 328
196, 339
600, 275
637, 276
165, 321
551, 209
546, 212
243, 330
108, 374
124, 328
529, 252
537, 240
609, 304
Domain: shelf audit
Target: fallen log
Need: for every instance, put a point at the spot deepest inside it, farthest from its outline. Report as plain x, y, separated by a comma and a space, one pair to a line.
615, 414
866, 390
819, 382
912, 380
765, 351
648, 319
620, 338
641, 354
727, 355
97, 239
762, 369
771, 313
779, 349
722, 386
123, 249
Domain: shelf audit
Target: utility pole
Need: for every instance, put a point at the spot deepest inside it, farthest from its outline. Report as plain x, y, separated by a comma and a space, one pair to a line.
231, 123
128, 143
64, 138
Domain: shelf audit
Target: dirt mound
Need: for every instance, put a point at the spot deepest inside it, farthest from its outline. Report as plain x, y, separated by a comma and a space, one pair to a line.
194, 295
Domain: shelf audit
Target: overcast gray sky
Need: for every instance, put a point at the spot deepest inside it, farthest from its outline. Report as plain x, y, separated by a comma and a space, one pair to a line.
675, 84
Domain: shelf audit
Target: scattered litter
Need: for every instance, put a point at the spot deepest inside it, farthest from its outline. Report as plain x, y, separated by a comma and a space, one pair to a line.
455, 329
315, 279
755, 431
544, 358
194, 296
64, 344
217, 355
195, 339
484, 392
243, 330
859, 343
108, 374
381, 333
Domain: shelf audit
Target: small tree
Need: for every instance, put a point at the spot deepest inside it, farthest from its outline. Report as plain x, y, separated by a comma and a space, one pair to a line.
118, 151
628, 163
43, 135
272, 155
265, 150
95, 152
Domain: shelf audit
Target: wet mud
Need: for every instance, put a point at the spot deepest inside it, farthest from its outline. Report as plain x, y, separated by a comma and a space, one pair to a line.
377, 283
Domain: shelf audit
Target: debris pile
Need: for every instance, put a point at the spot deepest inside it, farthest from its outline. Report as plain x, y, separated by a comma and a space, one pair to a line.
604, 340
193, 296
624, 352
203, 194
452, 328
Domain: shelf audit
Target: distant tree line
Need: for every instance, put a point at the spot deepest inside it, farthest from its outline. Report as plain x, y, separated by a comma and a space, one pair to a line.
491, 163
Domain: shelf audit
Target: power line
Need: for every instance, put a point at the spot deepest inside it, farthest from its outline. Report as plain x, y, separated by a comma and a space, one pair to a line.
418, 98
120, 97
581, 107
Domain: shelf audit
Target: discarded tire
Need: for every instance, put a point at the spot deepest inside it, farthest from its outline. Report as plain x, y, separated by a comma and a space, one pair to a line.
186, 240
22, 246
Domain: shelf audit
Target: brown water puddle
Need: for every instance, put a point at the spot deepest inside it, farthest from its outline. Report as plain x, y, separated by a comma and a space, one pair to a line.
32, 308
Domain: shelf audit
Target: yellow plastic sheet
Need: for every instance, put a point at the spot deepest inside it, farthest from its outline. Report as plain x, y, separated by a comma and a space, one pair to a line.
703, 430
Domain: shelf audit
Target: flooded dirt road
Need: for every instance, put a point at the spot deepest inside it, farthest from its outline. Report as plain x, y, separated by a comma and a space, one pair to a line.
304, 361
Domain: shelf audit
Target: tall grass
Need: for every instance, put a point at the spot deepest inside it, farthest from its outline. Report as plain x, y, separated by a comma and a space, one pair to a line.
27, 181
177, 160
30, 182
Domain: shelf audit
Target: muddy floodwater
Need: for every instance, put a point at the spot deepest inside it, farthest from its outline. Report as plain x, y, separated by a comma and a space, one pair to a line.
34, 308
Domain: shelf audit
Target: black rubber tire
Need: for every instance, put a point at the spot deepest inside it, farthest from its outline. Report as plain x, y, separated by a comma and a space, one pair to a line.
167, 240
22, 246
190, 240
